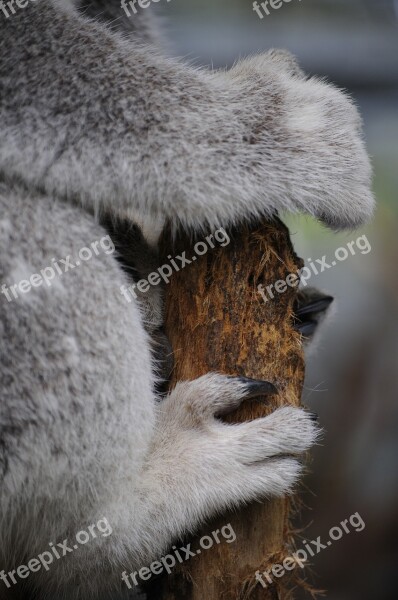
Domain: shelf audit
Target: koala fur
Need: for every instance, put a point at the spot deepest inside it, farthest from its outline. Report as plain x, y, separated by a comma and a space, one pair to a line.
95, 121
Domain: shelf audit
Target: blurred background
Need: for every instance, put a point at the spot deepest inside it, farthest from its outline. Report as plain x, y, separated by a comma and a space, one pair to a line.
352, 376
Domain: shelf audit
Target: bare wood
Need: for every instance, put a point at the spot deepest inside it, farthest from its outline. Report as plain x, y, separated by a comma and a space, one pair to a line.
217, 321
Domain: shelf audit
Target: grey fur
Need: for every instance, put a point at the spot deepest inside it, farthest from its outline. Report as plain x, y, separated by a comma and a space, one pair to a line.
91, 122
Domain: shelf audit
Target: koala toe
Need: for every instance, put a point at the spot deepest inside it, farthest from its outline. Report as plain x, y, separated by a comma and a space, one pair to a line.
287, 431
215, 395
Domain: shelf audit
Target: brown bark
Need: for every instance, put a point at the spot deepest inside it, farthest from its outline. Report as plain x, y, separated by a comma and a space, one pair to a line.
217, 321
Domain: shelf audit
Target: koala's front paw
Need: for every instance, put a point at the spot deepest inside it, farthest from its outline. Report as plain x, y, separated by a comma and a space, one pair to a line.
305, 140
224, 465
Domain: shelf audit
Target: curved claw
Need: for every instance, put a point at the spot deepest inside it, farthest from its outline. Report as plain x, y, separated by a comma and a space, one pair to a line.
314, 306
306, 329
310, 308
257, 387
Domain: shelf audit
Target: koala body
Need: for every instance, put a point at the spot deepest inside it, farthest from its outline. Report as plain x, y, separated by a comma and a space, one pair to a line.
95, 121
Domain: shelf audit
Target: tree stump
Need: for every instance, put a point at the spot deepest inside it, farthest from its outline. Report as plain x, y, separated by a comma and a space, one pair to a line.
217, 321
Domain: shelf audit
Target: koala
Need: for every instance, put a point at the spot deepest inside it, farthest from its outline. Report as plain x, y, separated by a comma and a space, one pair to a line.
99, 131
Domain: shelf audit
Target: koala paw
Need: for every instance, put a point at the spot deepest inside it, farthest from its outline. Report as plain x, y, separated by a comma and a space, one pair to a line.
306, 148
222, 465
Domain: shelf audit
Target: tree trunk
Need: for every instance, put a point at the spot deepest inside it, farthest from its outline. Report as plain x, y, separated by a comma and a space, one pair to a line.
217, 321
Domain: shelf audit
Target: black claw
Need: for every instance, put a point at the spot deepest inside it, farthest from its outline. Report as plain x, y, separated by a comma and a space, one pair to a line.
318, 305
306, 329
256, 387
313, 416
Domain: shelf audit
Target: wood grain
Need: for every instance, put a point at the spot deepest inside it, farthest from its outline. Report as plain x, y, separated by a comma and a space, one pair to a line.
217, 321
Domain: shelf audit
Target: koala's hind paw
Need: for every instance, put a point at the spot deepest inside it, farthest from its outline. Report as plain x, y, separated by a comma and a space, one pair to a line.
226, 464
